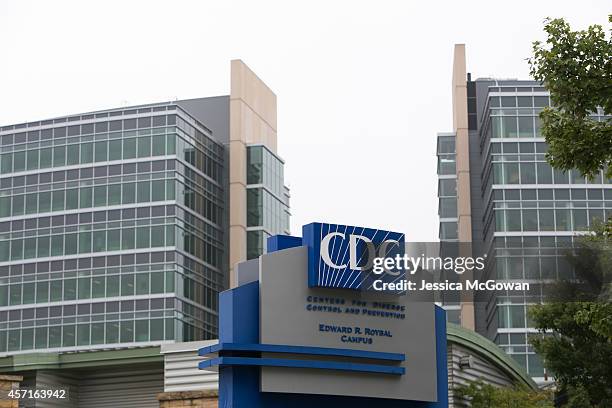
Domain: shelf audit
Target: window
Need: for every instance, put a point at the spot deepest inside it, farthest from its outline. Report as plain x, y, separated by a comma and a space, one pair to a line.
158, 190
513, 220
129, 193
101, 149
127, 285
57, 245
114, 194
563, 219
157, 282
112, 286
18, 202
528, 174
544, 173
99, 196
84, 242
112, 332
580, 220
144, 146
69, 289
56, 290
142, 330
43, 246
508, 126
114, 150
59, 156
113, 240
42, 292
99, 241
129, 148
144, 191
127, 238
72, 199
86, 197
97, 333
31, 203
86, 152
157, 329
19, 161
525, 124
127, 331
44, 201
142, 284
447, 187
171, 146
448, 207
83, 334
142, 237
84, 285
58, 200
530, 220
70, 244
159, 145
72, 154
157, 236
32, 159
46, 158
511, 173
6, 163
29, 246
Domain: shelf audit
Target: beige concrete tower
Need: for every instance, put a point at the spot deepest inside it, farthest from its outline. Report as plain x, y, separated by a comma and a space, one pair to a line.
460, 127
252, 121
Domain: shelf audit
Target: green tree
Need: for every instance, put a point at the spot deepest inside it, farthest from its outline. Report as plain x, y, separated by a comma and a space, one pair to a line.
575, 326
576, 67
483, 395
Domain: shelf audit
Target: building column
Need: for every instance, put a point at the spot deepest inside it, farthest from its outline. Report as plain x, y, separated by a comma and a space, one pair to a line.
252, 121
464, 206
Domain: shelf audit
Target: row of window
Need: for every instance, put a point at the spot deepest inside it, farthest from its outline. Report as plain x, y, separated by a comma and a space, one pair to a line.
88, 129
88, 197
265, 168
515, 126
547, 194
548, 220
538, 173
267, 211
85, 334
532, 267
526, 101
90, 241
89, 287
40, 314
84, 153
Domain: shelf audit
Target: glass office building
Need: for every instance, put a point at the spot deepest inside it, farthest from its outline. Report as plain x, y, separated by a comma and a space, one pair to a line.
522, 213
115, 225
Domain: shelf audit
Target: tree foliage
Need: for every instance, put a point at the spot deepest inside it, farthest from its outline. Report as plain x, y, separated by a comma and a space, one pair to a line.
483, 395
576, 67
575, 327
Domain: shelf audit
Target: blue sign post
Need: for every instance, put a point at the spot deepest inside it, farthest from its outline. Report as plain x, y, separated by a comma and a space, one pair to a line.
248, 367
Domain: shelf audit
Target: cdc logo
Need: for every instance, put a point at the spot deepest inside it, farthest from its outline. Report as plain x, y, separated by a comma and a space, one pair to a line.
341, 256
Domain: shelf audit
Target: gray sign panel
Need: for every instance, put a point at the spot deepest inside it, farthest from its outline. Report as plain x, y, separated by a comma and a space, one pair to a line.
291, 313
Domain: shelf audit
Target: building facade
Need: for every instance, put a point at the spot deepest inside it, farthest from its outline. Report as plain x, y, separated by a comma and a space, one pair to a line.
119, 228
522, 213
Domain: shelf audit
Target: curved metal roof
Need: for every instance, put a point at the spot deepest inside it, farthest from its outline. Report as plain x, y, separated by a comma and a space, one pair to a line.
489, 350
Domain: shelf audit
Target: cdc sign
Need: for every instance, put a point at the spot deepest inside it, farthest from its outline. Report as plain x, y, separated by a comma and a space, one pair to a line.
341, 256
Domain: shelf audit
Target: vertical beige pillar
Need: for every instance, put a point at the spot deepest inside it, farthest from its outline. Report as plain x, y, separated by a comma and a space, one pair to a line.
460, 126
252, 121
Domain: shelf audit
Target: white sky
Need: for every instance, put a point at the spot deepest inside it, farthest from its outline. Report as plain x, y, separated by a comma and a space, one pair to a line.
362, 87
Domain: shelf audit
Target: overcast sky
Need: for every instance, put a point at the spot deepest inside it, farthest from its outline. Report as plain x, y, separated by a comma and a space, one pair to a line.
362, 87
